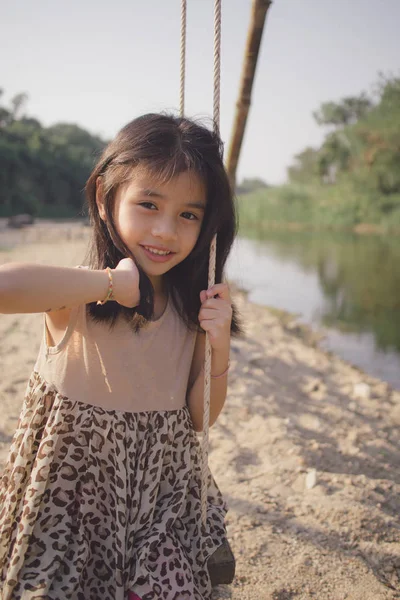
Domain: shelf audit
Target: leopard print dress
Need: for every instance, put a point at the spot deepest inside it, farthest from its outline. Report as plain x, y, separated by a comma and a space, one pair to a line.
98, 501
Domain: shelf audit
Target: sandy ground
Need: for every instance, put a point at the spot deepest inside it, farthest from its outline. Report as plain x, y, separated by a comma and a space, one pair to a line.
306, 451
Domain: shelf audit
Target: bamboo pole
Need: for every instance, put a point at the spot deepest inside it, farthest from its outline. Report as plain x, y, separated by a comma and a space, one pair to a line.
257, 21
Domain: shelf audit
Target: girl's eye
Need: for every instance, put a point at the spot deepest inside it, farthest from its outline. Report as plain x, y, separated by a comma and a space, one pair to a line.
186, 215
189, 216
149, 205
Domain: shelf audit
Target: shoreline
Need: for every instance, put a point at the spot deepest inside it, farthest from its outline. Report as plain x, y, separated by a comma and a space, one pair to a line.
306, 451
311, 336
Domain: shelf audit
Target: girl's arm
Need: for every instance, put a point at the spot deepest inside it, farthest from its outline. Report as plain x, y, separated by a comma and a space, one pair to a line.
195, 399
215, 317
28, 288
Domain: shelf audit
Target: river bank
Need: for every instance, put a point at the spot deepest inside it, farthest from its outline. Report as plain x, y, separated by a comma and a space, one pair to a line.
306, 450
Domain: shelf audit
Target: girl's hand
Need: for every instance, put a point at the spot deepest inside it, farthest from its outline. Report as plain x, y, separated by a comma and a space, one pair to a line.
126, 283
215, 315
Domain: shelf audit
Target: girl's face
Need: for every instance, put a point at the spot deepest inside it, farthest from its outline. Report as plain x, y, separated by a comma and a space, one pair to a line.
159, 222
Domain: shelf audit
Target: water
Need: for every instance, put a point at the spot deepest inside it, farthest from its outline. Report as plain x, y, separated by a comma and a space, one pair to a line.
346, 286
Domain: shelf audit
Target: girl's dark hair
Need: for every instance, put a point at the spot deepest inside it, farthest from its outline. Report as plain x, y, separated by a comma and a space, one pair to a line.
166, 146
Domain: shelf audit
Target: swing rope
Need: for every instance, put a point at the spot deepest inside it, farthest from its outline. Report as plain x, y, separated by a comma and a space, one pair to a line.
183, 60
217, 64
211, 269
213, 246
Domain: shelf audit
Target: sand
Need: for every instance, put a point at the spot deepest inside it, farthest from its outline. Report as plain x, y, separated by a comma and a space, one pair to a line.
306, 450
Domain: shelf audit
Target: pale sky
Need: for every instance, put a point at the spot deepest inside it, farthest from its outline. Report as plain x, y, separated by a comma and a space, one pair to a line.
100, 64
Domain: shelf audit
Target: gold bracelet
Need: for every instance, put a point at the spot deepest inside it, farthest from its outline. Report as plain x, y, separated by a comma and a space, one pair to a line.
109, 295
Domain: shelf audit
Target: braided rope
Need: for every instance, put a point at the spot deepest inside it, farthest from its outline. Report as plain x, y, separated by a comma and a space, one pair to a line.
217, 63
213, 247
183, 59
211, 274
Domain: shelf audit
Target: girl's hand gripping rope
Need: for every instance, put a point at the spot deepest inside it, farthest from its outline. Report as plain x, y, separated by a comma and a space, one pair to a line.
215, 315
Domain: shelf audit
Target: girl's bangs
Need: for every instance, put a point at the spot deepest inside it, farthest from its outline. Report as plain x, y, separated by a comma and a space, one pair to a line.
163, 169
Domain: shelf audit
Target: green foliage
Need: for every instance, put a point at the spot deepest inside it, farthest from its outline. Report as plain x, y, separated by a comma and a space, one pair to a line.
251, 185
43, 170
348, 111
352, 179
18, 103
306, 166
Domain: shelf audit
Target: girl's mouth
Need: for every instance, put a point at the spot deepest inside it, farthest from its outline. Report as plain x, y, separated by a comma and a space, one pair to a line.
157, 255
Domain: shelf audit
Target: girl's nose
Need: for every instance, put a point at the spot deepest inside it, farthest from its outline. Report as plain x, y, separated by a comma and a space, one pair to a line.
165, 229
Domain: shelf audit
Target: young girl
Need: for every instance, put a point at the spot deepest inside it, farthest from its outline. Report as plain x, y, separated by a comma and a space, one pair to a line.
100, 498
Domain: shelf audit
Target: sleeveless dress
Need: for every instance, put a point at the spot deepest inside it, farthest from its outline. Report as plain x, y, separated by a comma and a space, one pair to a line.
101, 490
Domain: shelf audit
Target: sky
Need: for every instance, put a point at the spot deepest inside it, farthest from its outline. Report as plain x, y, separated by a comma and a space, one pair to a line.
100, 64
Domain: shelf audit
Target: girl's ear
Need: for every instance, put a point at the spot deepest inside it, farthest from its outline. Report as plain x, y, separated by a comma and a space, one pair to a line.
100, 199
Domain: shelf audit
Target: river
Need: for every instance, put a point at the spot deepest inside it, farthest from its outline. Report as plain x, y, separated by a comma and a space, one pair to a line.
345, 285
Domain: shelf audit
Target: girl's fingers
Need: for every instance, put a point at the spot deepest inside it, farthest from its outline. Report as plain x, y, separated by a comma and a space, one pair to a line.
206, 326
203, 296
207, 314
221, 289
215, 303
212, 314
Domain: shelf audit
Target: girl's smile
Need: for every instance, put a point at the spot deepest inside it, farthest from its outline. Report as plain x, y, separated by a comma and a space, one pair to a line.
157, 254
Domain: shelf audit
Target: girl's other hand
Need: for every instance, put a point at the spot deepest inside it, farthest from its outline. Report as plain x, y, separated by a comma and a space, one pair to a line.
215, 315
126, 283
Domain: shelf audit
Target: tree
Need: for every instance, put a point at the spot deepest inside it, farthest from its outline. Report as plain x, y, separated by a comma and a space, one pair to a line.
251, 185
5, 116
4, 113
18, 103
334, 156
43, 170
305, 166
346, 112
